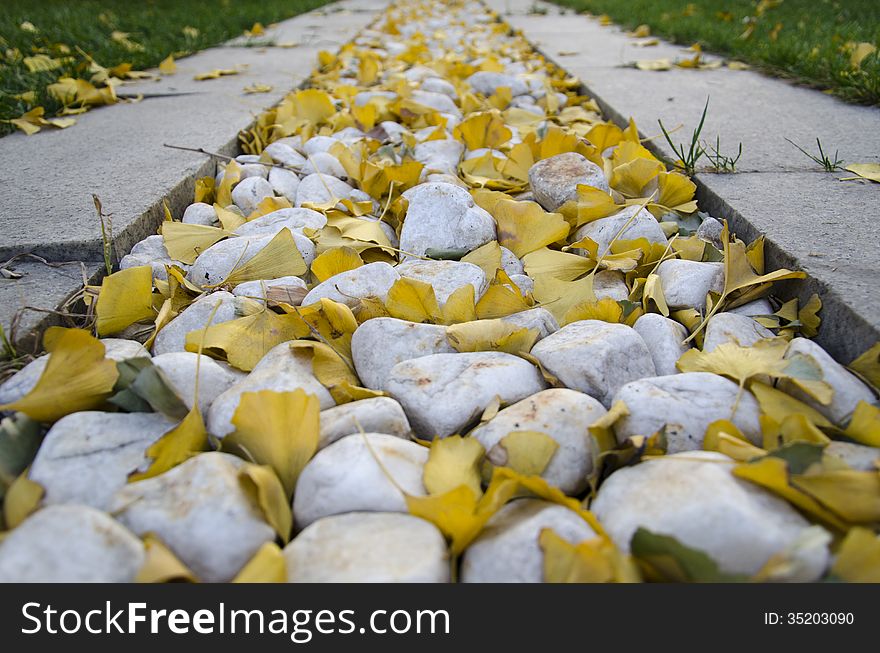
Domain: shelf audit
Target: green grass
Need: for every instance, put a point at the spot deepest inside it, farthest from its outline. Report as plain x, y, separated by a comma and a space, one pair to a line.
157, 25
810, 45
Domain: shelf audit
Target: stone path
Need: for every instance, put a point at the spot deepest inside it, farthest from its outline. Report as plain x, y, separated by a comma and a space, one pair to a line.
450, 324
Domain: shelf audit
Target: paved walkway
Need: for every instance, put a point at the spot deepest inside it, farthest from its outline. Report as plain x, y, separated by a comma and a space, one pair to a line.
812, 221
116, 152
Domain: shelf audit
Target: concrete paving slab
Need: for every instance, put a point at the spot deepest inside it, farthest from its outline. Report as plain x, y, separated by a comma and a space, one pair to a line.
811, 220
23, 301
116, 152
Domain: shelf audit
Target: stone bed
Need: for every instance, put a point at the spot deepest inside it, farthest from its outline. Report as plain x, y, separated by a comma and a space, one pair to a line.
455, 326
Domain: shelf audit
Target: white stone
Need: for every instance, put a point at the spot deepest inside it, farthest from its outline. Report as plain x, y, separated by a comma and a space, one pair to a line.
509, 550
320, 189
289, 290
664, 339
595, 357
438, 85
848, 388
443, 216
70, 544
370, 280
441, 156
381, 343
611, 284
172, 337
510, 263
368, 547
376, 415
284, 182
695, 498
554, 180
151, 251
857, 456
488, 83
562, 414
732, 328
87, 456
346, 477
524, 283
318, 144
284, 154
216, 263
325, 163
23, 381
281, 370
179, 368
686, 283
294, 220
539, 319
444, 393
250, 192
200, 510
200, 213
758, 307
436, 101
603, 230
686, 404
445, 277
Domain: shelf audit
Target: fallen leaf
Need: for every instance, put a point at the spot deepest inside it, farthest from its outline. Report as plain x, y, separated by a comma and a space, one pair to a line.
77, 377
262, 484
266, 566
167, 66
161, 565
126, 297
215, 74
176, 446
453, 461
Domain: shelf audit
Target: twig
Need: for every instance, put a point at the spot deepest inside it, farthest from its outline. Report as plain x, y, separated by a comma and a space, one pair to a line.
223, 157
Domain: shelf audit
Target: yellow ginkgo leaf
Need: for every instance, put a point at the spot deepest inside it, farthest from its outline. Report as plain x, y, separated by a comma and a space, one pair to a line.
335, 372
266, 566
852, 495
278, 429
167, 66
556, 265
487, 257
257, 88
460, 306
502, 298
23, 497
779, 405
161, 565
631, 178
605, 135
176, 446
414, 301
864, 427
453, 461
858, 559
868, 365
126, 297
459, 514
772, 473
279, 258
185, 241
605, 309
204, 190
654, 64
491, 335
230, 217
215, 74
860, 52
652, 292
262, 485
676, 193
866, 170
485, 129
335, 261
269, 205
244, 341
312, 105
592, 561
765, 357
725, 437
231, 176
559, 297
76, 377
524, 227
525, 452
